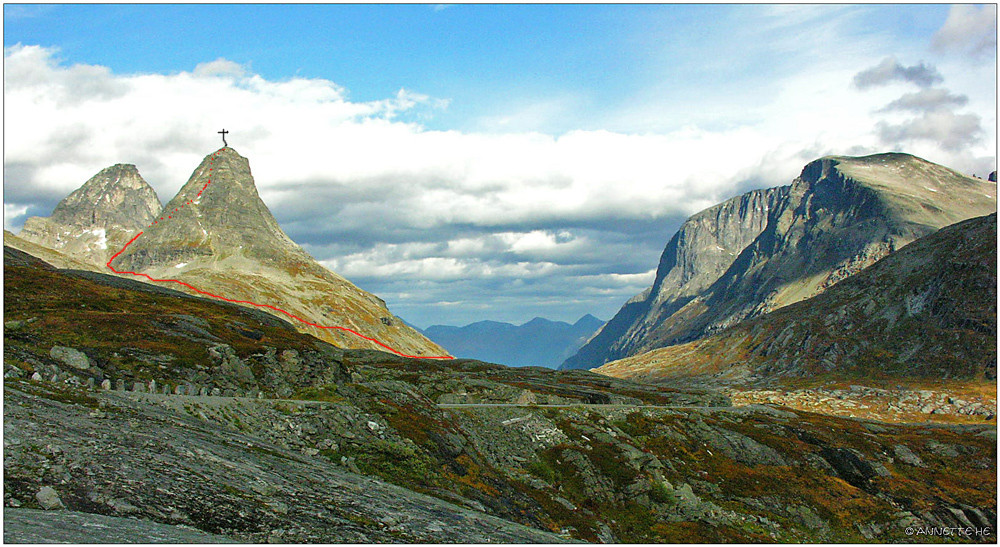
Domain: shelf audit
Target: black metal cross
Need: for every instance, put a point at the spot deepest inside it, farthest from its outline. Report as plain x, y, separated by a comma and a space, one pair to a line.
223, 133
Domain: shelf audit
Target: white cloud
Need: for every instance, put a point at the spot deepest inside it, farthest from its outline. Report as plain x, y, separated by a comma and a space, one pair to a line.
393, 205
951, 131
969, 29
220, 67
11, 211
890, 70
306, 132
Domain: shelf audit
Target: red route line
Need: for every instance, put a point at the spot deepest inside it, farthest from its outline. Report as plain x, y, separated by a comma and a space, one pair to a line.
268, 306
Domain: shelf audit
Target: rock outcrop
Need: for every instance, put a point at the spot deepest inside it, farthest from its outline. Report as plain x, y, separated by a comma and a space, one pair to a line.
927, 311
97, 219
841, 215
217, 235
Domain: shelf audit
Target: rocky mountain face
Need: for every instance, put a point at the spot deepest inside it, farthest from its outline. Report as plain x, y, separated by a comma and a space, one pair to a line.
539, 342
97, 219
927, 311
217, 235
696, 256
838, 217
108, 424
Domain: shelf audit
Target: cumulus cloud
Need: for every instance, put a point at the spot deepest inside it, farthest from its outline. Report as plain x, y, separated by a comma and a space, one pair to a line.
968, 29
937, 120
11, 211
362, 184
519, 222
890, 70
949, 130
220, 67
927, 99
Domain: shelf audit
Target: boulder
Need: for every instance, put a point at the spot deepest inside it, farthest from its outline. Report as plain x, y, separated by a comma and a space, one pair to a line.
905, 455
72, 357
49, 499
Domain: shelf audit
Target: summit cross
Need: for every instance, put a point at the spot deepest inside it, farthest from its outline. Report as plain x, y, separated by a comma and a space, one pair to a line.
223, 133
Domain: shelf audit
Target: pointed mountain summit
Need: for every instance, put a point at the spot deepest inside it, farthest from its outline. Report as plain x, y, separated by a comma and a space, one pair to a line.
217, 214
217, 235
98, 218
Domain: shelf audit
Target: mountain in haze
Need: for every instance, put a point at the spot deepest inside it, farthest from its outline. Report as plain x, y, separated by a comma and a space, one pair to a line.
97, 219
217, 235
770, 248
539, 342
928, 311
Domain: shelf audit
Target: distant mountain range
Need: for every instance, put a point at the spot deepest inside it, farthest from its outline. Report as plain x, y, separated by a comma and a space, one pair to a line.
539, 342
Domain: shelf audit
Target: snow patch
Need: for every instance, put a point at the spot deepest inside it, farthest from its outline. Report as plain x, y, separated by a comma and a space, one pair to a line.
931, 189
181, 265
102, 238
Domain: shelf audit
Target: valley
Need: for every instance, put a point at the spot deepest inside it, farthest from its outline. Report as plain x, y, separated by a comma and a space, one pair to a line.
290, 439
851, 405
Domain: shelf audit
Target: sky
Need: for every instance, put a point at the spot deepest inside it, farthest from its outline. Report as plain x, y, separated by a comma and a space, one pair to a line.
501, 162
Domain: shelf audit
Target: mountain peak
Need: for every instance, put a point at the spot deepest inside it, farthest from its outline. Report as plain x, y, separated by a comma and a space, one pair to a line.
97, 218
538, 321
217, 214
588, 320
117, 195
217, 235
220, 174
767, 249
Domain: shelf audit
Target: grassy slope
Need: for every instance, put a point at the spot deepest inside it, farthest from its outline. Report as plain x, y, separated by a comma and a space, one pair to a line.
129, 328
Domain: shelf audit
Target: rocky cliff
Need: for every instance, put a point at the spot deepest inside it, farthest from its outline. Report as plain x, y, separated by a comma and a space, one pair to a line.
97, 219
838, 217
702, 250
217, 235
927, 311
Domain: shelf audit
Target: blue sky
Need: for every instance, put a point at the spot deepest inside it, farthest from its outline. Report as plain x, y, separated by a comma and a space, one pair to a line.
523, 160
481, 57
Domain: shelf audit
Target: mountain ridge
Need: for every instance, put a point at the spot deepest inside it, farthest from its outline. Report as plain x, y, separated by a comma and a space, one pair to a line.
536, 342
927, 310
838, 217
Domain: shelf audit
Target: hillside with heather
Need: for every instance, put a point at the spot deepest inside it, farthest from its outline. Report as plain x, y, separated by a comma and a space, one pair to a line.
925, 312
159, 414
